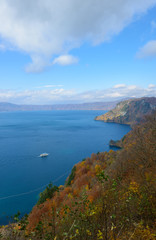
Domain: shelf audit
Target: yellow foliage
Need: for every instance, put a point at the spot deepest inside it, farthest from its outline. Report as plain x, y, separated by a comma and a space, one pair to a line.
70, 195
88, 232
81, 164
77, 232
87, 188
111, 151
99, 235
143, 233
97, 169
133, 187
149, 177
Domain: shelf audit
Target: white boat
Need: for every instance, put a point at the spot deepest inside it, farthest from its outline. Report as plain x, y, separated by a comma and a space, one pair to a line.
44, 154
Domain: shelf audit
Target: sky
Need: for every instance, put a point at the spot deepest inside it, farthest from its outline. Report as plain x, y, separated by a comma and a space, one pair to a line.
75, 51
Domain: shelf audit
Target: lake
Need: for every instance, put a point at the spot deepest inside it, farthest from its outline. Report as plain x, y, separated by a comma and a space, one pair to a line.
68, 137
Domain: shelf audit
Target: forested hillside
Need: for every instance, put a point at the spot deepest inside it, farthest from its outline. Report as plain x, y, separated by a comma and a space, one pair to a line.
110, 196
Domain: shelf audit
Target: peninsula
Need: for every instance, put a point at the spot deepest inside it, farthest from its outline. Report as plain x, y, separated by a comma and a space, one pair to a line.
130, 111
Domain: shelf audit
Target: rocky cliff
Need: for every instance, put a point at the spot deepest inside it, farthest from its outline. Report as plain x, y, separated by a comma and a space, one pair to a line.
130, 111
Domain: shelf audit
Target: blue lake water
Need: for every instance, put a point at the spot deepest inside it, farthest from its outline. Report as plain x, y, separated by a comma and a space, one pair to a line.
68, 137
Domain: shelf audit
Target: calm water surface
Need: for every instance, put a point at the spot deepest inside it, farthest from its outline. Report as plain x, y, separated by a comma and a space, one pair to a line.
68, 137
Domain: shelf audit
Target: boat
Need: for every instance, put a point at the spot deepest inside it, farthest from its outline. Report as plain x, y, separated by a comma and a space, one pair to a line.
44, 154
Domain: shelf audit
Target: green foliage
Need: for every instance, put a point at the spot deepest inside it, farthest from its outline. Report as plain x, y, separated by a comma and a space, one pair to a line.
71, 176
16, 217
102, 176
84, 159
47, 193
124, 137
39, 229
24, 222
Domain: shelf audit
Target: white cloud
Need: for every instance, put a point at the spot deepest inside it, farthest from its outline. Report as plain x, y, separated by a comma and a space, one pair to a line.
120, 86
151, 86
44, 29
148, 50
44, 96
131, 87
50, 86
2, 47
38, 64
65, 60
61, 95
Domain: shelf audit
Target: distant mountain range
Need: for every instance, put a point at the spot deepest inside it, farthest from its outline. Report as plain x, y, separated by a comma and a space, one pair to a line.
6, 107
130, 111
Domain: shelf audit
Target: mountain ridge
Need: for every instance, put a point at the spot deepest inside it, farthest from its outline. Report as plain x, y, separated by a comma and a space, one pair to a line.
5, 106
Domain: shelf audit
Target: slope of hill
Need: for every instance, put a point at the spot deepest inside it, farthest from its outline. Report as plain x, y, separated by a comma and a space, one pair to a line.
130, 111
110, 195
83, 106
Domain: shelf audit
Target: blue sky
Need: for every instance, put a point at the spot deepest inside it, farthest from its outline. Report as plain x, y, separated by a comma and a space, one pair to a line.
71, 51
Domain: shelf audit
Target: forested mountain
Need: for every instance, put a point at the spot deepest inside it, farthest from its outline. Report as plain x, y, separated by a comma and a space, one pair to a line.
110, 196
130, 111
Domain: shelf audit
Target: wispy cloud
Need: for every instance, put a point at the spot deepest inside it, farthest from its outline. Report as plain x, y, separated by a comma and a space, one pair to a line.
148, 50
48, 29
50, 86
153, 25
61, 95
